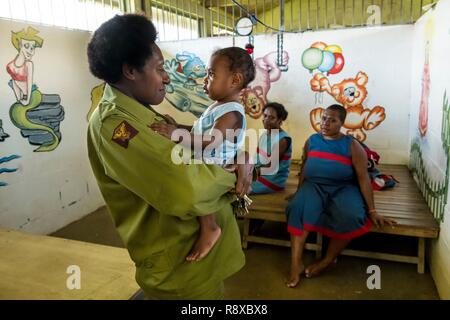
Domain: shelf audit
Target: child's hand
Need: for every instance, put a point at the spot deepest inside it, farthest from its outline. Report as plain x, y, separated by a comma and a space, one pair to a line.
163, 129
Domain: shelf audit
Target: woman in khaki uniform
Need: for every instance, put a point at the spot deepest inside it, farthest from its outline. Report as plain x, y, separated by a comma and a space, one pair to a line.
153, 201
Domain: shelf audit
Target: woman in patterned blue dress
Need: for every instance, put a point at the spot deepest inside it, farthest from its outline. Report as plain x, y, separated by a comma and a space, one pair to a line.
274, 141
334, 195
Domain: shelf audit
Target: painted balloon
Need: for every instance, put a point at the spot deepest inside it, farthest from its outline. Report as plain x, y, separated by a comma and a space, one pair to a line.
319, 45
338, 64
327, 62
333, 48
312, 58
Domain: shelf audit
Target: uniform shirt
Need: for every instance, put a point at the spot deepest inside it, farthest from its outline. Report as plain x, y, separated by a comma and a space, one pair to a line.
154, 203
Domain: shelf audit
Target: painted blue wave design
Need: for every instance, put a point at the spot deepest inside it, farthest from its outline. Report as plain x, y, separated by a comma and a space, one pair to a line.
3, 170
7, 170
9, 158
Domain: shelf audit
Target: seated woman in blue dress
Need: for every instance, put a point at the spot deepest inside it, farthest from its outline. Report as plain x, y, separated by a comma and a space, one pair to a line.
334, 195
273, 142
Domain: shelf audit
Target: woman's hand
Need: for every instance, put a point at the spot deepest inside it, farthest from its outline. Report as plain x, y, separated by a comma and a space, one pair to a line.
379, 221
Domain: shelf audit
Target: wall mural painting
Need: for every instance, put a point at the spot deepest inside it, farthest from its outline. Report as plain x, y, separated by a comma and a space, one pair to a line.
350, 92
185, 91
254, 97
435, 192
3, 134
37, 115
7, 170
187, 71
423, 110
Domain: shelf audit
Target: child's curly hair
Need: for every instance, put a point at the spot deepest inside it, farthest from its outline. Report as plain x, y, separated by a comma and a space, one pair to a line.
240, 61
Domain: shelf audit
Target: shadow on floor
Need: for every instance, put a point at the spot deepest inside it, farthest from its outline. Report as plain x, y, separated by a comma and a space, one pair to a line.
266, 266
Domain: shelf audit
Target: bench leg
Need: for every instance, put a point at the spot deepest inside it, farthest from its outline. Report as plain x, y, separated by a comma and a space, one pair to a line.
421, 256
319, 245
245, 233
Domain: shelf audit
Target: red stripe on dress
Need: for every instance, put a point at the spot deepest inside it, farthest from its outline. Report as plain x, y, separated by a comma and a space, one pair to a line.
269, 184
295, 231
262, 152
286, 157
342, 236
330, 156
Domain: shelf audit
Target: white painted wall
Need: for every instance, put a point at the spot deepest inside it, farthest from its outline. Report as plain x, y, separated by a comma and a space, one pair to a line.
383, 53
50, 189
434, 26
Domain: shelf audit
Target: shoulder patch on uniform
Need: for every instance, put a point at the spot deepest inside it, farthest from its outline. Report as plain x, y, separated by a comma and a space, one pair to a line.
123, 133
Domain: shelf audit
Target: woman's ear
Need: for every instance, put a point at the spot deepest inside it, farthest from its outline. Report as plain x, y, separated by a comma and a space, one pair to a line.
128, 71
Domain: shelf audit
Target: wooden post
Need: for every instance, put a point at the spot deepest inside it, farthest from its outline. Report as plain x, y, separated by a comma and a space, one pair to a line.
245, 233
421, 255
319, 245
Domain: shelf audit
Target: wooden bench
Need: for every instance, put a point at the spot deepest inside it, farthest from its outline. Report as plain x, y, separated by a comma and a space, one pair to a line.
35, 267
404, 203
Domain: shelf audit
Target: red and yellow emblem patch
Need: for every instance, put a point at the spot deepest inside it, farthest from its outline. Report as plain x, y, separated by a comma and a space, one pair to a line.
123, 133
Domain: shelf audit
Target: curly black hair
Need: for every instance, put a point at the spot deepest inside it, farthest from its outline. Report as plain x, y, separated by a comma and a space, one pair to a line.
340, 109
240, 61
279, 109
123, 39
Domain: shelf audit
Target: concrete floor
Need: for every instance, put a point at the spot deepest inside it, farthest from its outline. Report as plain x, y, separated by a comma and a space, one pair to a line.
262, 276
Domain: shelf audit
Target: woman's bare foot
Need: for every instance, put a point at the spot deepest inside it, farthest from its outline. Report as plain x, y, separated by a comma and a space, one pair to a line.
205, 242
318, 267
294, 277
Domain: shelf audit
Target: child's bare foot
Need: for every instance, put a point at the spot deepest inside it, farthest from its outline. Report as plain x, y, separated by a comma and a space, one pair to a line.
205, 242
294, 277
318, 267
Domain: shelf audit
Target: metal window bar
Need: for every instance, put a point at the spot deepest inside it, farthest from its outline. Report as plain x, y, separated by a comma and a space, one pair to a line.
196, 17
232, 9
292, 18
401, 11
392, 12
271, 9
218, 17
317, 14
226, 14
307, 15
353, 13
177, 17
264, 12
190, 20
211, 21
299, 16
411, 11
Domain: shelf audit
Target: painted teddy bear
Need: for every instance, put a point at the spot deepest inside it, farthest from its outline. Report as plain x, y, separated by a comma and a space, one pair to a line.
254, 97
351, 93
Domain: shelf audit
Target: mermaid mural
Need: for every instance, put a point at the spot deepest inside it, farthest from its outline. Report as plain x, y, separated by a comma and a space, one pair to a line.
37, 115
